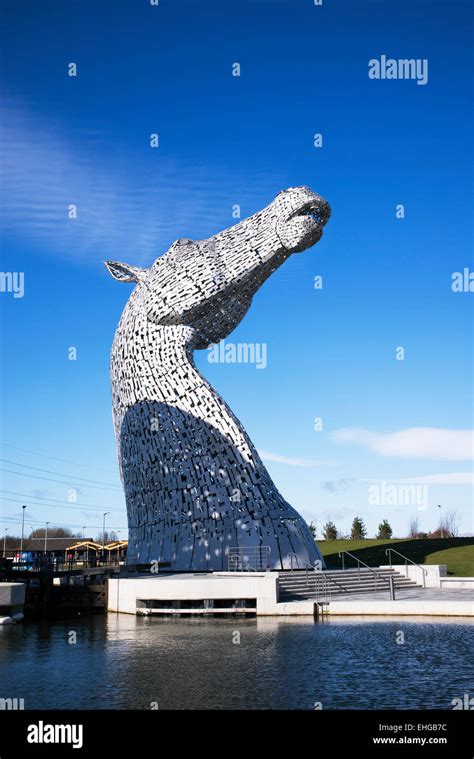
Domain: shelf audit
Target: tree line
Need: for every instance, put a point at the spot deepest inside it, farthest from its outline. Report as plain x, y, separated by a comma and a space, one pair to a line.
447, 528
57, 532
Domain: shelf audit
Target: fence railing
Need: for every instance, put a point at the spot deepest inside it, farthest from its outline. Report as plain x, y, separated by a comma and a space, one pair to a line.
63, 565
293, 560
378, 576
424, 571
248, 559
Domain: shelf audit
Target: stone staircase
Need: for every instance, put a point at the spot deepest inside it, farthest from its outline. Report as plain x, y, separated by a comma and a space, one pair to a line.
298, 584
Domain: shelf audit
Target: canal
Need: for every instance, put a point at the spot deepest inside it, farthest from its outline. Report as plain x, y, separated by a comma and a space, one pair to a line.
126, 662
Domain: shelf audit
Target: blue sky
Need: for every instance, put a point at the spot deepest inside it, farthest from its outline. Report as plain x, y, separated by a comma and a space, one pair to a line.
228, 140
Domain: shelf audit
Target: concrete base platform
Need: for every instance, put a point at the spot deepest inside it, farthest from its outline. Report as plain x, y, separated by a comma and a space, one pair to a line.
257, 593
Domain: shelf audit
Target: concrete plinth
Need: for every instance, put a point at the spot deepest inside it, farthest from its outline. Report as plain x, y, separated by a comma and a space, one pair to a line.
257, 593
12, 599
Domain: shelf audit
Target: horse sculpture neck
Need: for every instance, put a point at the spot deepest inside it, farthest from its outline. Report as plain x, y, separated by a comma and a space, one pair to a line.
183, 451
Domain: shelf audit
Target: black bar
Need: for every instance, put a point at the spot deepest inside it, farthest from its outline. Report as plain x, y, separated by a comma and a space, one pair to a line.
112, 733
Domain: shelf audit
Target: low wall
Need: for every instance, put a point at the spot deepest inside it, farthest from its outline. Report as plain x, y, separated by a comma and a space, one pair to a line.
458, 583
402, 608
12, 599
12, 594
433, 573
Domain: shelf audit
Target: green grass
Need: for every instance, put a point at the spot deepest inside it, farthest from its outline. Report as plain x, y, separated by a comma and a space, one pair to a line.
457, 553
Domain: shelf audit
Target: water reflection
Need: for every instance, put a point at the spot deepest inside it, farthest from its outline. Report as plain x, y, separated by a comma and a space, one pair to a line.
127, 662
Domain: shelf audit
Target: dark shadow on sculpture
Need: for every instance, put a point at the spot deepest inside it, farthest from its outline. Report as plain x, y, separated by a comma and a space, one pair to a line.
186, 508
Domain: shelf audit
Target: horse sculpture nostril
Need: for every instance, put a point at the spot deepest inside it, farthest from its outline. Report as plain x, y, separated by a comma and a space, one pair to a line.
325, 213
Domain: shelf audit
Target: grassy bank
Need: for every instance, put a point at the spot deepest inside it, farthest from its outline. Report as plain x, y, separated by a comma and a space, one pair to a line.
457, 553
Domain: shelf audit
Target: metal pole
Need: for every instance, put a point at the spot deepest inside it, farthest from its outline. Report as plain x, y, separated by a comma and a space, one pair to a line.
46, 540
5, 543
103, 530
118, 547
392, 588
22, 529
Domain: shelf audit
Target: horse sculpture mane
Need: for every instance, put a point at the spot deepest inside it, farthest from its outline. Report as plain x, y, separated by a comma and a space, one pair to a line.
194, 484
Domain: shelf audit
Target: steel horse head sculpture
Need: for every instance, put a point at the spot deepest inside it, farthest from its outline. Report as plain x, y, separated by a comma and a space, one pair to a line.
194, 484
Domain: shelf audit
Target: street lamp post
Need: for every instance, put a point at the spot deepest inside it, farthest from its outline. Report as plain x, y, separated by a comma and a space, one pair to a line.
46, 539
103, 531
22, 529
5, 543
440, 521
87, 549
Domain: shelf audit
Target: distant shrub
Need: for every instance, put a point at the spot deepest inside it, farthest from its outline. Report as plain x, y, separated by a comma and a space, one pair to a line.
330, 531
358, 531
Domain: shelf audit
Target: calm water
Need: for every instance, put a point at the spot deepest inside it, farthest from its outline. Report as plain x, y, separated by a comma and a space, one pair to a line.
125, 662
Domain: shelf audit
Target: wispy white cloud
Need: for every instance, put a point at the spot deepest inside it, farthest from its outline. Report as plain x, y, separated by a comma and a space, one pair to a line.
413, 443
130, 205
446, 478
290, 461
338, 486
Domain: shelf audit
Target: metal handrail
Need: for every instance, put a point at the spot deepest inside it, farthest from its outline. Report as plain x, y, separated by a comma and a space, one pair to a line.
389, 551
308, 566
33, 565
290, 556
242, 562
249, 565
254, 558
326, 590
359, 562
335, 582
320, 573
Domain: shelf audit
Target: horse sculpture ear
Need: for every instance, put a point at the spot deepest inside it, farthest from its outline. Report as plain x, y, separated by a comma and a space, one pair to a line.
125, 272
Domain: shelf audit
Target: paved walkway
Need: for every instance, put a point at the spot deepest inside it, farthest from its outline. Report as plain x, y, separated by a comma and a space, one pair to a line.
412, 594
438, 602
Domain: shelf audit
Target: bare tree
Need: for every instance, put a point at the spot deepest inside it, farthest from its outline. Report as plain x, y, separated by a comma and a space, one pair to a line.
413, 528
449, 524
53, 532
108, 537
